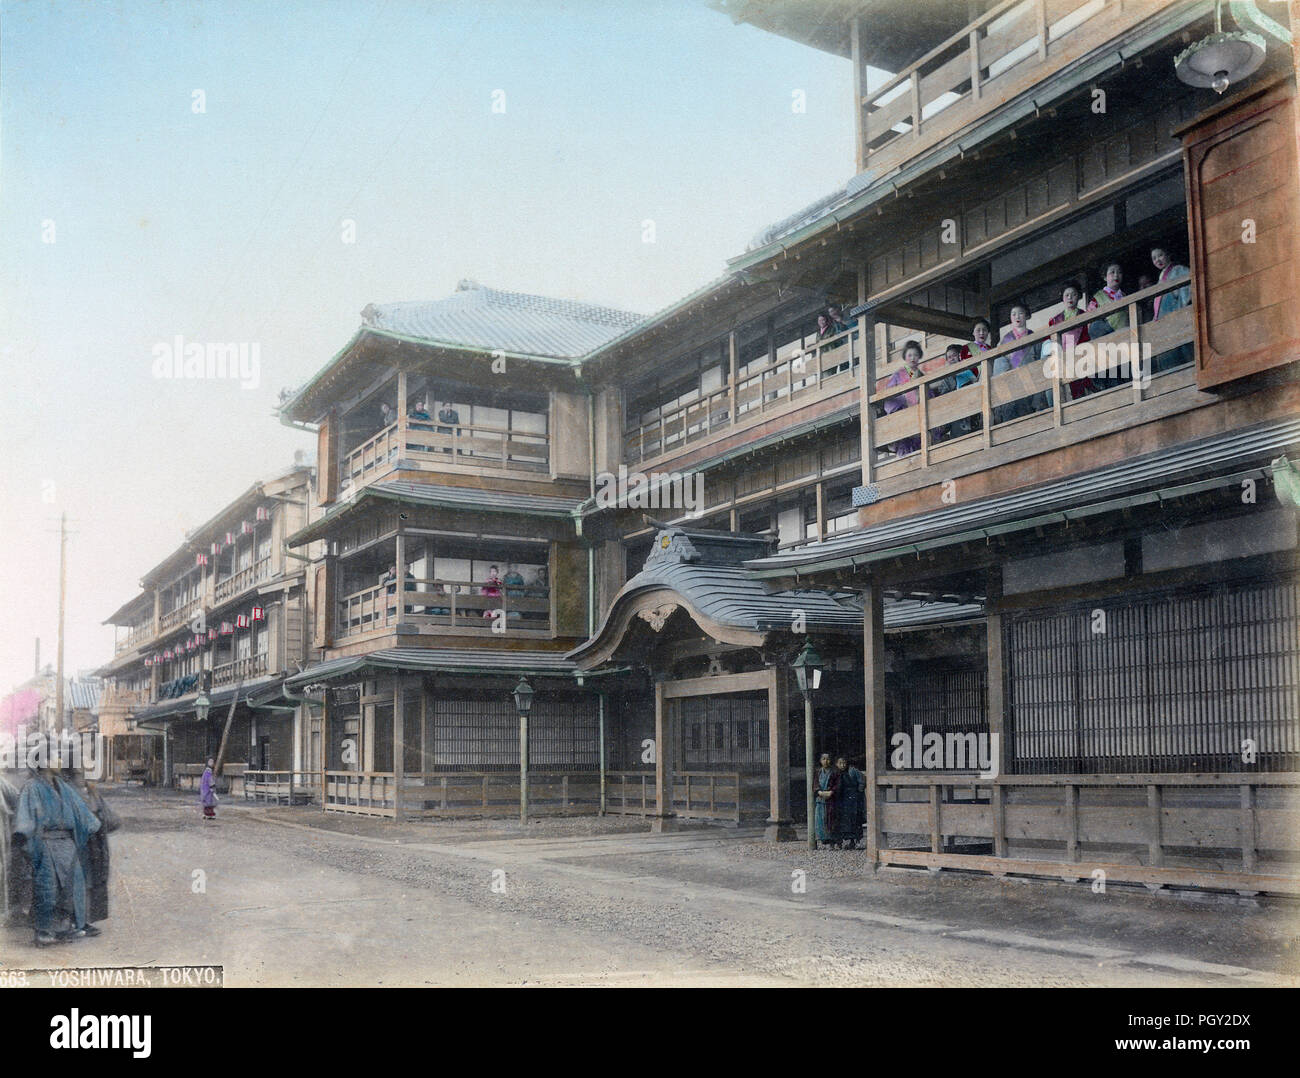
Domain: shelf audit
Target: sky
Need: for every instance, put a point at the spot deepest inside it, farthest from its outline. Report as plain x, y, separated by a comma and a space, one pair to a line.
198, 169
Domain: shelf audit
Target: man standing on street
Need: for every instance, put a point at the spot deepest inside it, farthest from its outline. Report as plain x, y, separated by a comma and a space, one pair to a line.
55, 825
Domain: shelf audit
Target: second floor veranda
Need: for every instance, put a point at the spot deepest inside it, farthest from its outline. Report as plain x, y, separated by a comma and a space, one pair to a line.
1125, 362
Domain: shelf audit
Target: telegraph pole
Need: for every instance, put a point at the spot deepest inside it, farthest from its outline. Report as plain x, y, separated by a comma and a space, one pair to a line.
63, 596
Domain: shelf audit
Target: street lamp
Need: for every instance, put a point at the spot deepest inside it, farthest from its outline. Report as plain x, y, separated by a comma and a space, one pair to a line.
523, 704
808, 673
202, 703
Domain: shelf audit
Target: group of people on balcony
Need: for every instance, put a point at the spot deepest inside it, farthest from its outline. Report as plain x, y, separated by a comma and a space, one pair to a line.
512, 585
1082, 330
832, 321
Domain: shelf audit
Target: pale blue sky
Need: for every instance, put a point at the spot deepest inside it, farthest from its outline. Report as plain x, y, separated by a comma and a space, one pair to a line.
224, 225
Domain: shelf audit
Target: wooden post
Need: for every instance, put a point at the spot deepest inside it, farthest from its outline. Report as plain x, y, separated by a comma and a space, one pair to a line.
600, 703
664, 750
986, 400
324, 748
399, 745
780, 824
400, 567
1249, 855
1040, 12
859, 84
873, 672
867, 384
1072, 822
936, 837
916, 103
974, 48
1155, 843
996, 703
999, 806
821, 511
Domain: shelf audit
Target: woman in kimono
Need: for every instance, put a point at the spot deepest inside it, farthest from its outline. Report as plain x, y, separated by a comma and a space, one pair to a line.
208, 793
1072, 338
1167, 304
827, 779
911, 369
1022, 357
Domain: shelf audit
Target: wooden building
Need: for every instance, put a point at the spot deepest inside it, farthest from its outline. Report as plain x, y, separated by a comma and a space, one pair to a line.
228, 605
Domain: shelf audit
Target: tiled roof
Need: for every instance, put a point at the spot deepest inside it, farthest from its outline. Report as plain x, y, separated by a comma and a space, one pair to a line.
515, 322
448, 660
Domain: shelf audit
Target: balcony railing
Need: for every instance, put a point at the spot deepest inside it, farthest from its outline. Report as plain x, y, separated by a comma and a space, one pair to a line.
179, 615
243, 579
801, 369
432, 446
136, 636
445, 604
244, 669
1040, 395
977, 69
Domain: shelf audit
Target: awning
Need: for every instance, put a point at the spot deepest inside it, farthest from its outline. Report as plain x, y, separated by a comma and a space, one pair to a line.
468, 499
183, 707
477, 661
1209, 464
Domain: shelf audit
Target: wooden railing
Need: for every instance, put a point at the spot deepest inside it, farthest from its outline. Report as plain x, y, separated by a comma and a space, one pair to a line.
250, 666
697, 795
444, 603
800, 368
432, 446
460, 793
137, 635
1035, 388
282, 787
977, 69
1235, 832
243, 579
181, 614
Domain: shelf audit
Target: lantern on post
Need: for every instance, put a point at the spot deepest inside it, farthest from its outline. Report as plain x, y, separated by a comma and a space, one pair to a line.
808, 673
523, 694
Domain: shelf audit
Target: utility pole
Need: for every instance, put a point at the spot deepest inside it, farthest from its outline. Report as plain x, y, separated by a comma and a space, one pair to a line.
59, 719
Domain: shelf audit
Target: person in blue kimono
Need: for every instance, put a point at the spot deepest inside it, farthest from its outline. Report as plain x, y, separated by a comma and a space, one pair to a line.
849, 804
827, 780
55, 824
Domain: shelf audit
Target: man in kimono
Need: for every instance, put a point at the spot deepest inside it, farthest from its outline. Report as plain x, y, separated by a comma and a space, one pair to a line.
55, 824
849, 804
8, 809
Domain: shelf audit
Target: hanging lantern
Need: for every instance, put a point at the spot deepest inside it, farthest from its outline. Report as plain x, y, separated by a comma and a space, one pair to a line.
245, 528
215, 549
226, 628
241, 621
230, 539
259, 613
200, 559
212, 635
263, 513
1221, 59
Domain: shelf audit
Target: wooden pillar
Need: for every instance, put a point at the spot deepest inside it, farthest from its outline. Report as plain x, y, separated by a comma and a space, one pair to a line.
1155, 826
1072, 822
1249, 855
873, 672
399, 745
821, 511
733, 358
400, 567
866, 387
665, 750
996, 701
859, 86
324, 746
780, 824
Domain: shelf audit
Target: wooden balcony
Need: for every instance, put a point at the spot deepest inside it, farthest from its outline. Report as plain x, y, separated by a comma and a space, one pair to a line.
138, 635
179, 616
444, 607
243, 580
245, 669
801, 371
1032, 408
432, 447
1013, 47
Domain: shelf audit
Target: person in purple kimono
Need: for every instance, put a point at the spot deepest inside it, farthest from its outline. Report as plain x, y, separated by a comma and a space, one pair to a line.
208, 792
1022, 357
910, 370
55, 824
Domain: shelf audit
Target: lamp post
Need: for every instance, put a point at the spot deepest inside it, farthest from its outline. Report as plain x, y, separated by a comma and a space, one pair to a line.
808, 673
523, 694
